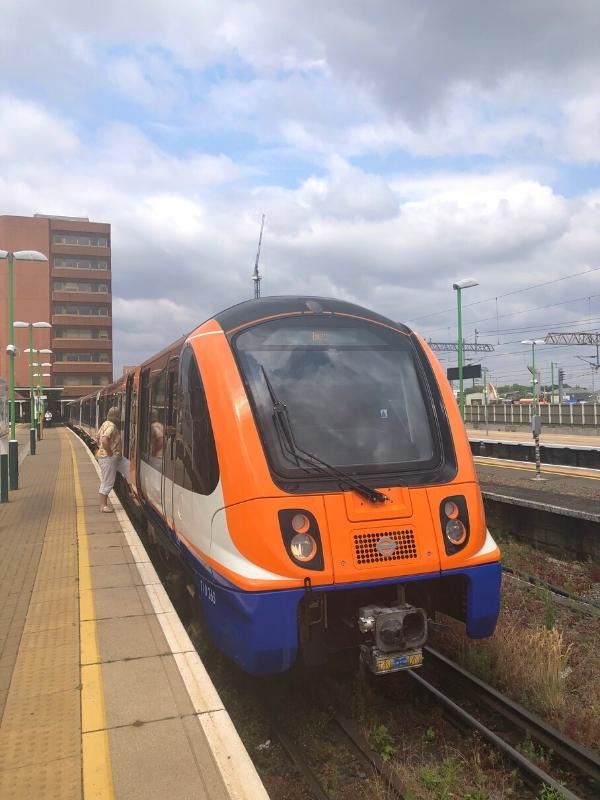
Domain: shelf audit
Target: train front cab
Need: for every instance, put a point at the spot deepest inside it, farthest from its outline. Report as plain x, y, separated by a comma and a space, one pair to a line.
373, 561
224, 491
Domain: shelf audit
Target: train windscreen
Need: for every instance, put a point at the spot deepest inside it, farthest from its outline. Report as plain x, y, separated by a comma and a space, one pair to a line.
354, 393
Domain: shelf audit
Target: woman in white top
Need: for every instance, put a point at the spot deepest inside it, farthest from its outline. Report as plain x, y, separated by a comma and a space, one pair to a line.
108, 455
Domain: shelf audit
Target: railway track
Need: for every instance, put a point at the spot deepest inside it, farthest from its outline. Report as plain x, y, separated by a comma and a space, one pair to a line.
584, 764
354, 741
580, 761
580, 603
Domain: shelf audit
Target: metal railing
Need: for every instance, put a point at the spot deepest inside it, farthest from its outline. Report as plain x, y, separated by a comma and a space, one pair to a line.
575, 415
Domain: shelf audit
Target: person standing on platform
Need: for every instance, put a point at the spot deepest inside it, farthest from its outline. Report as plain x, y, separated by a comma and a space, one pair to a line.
108, 455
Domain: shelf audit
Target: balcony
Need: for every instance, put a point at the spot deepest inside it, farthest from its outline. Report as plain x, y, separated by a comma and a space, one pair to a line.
68, 273
59, 344
79, 250
81, 321
81, 297
81, 367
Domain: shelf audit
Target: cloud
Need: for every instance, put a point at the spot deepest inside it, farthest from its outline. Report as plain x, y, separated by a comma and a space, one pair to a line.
433, 79
29, 128
394, 146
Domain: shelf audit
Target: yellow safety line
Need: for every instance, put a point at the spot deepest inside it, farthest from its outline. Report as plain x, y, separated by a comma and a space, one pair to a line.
550, 468
97, 770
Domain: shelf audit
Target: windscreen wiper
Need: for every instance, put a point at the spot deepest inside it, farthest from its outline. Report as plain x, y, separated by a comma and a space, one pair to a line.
283, 425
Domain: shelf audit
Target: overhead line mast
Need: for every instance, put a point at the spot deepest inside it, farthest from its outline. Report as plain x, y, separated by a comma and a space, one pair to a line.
257, 276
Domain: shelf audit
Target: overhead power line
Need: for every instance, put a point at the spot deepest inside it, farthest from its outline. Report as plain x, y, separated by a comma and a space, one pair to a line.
508, 294
525, 311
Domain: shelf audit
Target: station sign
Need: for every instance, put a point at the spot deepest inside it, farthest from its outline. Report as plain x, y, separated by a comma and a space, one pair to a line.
470, 371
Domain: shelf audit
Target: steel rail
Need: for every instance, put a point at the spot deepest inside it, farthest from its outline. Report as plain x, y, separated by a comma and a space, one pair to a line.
587, 606
536, 776
307, 773
583, 760
353, 734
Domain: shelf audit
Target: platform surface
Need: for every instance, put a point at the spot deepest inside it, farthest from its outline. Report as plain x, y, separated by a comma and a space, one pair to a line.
570, 488
548, 438
101, 692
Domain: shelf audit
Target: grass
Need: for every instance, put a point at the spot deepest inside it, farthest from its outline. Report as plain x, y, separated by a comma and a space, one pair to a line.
531, 663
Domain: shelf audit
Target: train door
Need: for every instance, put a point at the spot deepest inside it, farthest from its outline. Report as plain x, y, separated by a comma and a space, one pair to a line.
127, 426
170, 422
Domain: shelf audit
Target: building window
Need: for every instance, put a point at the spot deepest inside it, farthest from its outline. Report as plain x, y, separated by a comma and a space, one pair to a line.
81, 311
81, 333
80, 286
84, 380
92, 358
66, 262
80, 239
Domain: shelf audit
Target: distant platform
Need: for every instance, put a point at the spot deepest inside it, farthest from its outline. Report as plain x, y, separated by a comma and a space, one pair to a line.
524, 436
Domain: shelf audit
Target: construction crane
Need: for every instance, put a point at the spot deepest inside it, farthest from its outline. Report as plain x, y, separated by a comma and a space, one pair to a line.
257, 276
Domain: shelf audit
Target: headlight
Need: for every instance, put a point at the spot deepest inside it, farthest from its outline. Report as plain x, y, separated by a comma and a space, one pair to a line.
456, 531
454, 519
301, 538
300, 523
303, 546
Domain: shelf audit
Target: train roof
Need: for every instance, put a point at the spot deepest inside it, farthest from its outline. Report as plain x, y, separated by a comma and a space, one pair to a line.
253, 310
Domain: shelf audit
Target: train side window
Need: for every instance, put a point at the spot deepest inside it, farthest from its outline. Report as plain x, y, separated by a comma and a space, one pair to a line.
144, 414
172, 395
127, 423
198, 467
157, 417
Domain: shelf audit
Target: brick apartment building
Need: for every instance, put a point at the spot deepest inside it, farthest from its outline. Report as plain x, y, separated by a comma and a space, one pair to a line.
72, 291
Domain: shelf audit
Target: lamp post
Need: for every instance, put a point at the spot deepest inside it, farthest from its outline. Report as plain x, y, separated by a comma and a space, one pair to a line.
30, 350
535, 399
40, 408
13, 444
458, 287
39, 376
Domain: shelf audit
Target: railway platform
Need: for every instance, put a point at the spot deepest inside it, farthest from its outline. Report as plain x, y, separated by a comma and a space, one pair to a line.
560, 513
572, 491
102, 694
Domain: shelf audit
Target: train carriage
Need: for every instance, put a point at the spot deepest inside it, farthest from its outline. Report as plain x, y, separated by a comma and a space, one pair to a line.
306, 461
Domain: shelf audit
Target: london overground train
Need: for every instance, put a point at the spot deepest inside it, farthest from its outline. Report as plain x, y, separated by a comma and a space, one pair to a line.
305, 461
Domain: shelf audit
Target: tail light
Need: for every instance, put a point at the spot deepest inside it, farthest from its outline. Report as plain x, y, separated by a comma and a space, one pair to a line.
302, 538
454, 518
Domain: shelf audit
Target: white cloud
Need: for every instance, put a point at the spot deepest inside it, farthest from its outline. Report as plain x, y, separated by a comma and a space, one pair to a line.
29, 128
154, 111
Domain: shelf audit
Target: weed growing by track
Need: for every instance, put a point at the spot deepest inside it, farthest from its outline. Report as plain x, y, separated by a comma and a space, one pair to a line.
579, 578
544, 654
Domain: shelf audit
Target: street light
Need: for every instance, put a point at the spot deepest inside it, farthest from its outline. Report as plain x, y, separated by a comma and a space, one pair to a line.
458, 287
40, 405
44, 350
30, 350
535, 399
13, 444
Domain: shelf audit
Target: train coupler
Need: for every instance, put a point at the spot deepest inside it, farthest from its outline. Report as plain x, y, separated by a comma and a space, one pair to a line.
395, 634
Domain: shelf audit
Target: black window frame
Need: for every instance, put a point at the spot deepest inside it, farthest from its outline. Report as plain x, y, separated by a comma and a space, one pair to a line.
196, 460
443, 472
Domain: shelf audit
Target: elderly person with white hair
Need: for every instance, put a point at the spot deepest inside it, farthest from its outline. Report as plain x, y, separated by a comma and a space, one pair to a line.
108, 455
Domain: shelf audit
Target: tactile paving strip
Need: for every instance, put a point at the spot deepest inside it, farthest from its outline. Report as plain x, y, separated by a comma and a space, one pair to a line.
40, 734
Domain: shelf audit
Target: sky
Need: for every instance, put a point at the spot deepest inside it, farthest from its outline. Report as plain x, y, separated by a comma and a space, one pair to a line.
395, 147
